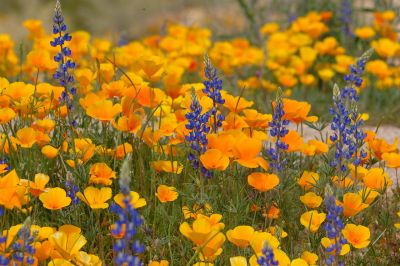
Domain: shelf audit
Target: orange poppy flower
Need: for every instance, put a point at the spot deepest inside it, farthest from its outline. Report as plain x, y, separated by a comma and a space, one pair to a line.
311, 200
95, 198
67, 242
352, 204
357, 235
240, 235
135, 200
235, 104
152, 67
49, 151
103, 110
214, 159
392, 159
247, 151
377, 179
26, 137
256, 120
312, 220
9, 191
101, 173
39, 185
263, 181
166, 193
234, 121
122, 150
380, 146
114, 89
167, 166
55, 199
308, 180
293, 140
297, 112
6, 115
223, 142
84, 148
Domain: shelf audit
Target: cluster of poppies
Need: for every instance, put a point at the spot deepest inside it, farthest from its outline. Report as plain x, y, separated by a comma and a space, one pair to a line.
150, 105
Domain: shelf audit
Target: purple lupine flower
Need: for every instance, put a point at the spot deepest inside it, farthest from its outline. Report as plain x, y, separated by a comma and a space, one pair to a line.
333, 227
347, 135
198, 130
278, 130
213, 87
128, 248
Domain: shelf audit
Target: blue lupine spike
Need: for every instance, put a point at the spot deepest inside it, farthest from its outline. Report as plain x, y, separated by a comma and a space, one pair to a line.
197, 137
277, 129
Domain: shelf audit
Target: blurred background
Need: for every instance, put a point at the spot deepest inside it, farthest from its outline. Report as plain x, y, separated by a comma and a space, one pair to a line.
133, 18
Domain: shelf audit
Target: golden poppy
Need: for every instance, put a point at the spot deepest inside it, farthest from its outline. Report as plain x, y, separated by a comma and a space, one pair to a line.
101, 173
103, 110
167, 166
357, 235
95, 198
311, 200
263, 181
55, 199
352, 204
240, 235
135, 200
214, 159
312, 220
166, 193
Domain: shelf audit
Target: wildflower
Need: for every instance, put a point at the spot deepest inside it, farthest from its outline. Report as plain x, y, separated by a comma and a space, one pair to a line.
312, 220
205, 233
235, 104
49, 151
297, 112
6, 115
55, 199
67, 241
346, 17
38, 186
309, 257
311, 200
26, 137
71, 188
63, 58
95, 198
214, 159
247, 151
101, 173
129, 221
352, 204
333, 227
23, 248
364, 32
9, 191
166, 193
263, 181
308, 180
103, 110
197, 138
357, 235
277, 129
392, 159
159, 263
167, 166
377, 179
348, 136
213, 87
267, 258
238, 261
135, 200
240, 235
